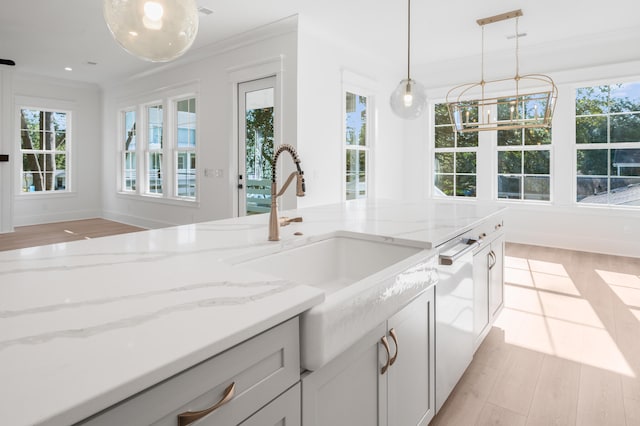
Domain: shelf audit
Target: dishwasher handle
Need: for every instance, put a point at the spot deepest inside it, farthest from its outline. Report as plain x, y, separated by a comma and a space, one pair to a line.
469, 245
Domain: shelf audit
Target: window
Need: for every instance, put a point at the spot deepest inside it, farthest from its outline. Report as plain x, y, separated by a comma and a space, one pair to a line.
608, 144
455, 157
129, 151
186, 148
44, 146
154, 149
524, 164
357, 146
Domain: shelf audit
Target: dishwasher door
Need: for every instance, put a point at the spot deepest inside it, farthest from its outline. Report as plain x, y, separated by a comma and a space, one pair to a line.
454, 315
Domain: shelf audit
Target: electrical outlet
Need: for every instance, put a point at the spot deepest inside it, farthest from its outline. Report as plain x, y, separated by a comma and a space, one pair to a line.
219, 173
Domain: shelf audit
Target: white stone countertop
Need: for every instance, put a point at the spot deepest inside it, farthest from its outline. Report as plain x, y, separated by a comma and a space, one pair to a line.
86, 324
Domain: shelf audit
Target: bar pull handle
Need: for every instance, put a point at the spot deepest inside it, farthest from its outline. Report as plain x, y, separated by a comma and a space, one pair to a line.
189, 417
493, 260
468, 246
385, 343
392, 332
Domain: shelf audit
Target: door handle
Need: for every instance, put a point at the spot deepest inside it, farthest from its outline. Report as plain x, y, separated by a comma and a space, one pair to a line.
188, 417
385, 343
392, 332
492, 256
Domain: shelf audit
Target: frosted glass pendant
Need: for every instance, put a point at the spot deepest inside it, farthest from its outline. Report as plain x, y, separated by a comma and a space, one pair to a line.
409, 99
154, 30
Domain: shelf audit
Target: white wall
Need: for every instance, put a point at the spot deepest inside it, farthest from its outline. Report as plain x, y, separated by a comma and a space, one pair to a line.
331, 48
84, 199
248, 56
562, 223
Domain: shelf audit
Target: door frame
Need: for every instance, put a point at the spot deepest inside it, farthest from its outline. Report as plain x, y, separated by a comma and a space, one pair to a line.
244, 88
271, 67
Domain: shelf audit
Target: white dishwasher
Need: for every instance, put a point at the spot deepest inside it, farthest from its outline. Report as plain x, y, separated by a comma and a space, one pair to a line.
454, 313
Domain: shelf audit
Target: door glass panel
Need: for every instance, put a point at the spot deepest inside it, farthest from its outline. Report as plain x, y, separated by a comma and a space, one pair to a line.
258, 152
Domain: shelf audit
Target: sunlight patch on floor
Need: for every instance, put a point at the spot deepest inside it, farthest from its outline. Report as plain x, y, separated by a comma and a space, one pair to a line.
544, 311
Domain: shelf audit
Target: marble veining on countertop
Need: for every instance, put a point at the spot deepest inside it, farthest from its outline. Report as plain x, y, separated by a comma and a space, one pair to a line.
86, 324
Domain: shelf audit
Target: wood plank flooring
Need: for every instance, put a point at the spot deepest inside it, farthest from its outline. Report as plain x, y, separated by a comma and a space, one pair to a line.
564, 351
60, 232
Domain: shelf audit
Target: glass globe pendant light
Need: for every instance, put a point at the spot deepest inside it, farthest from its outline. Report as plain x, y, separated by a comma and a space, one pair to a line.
409, 99
154, 30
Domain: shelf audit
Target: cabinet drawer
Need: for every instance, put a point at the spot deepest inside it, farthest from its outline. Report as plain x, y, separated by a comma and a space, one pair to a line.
261, 368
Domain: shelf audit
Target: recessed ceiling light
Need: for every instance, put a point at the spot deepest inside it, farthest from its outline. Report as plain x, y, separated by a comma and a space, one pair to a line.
205, 11
91, 63
68, 69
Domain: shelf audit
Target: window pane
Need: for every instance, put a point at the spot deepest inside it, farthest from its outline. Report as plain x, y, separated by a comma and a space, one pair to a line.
509, 187
154, 116
442, 114
59, 120
444, 162
625, 162
155, 173
129, 171
592, 162
31, 139
467, 140
49, 141
356, 119
536, 162
592, 190
591, 129
444, 137
130, 130
537, 136
355, 174
536, 188
625, 191
466, 162
186, 174
444, 184
625, 97
509, 162
625, 128
592, 100
509, 137
465, 186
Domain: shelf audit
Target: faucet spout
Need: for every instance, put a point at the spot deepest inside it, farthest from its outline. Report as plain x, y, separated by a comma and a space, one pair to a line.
274, 224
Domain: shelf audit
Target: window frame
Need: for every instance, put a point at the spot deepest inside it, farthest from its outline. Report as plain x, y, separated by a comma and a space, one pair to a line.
167, 99
54, 106
608, 145
190, 150
122, 132
454, 150
360, 86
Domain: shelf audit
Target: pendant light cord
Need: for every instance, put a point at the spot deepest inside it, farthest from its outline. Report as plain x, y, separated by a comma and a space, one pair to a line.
408, 39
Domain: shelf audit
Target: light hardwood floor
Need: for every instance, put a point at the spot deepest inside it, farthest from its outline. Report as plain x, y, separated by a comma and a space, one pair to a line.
60, 232
564, 351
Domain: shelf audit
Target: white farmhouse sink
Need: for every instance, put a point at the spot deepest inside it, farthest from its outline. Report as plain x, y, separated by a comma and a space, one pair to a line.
365, 279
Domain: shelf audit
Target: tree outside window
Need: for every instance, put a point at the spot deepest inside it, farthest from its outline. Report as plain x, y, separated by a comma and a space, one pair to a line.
44, 136
455, 156
608, 144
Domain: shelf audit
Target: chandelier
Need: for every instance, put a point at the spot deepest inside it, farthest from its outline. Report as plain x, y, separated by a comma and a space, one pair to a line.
529, 102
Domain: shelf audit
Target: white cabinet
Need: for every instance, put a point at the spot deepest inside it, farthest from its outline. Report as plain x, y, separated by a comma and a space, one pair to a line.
386, 378
282, 411
488, 264
224, 390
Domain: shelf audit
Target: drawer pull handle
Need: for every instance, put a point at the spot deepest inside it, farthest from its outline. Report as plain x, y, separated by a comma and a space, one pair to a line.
392, 332
189, 417
385, 343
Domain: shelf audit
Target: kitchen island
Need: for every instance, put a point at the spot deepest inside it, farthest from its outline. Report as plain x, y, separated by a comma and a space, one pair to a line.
87, 324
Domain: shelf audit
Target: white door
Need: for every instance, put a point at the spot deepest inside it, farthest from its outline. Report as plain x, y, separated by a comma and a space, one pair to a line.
257, 132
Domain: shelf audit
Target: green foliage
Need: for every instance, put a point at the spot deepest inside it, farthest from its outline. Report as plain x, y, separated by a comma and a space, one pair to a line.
259, 125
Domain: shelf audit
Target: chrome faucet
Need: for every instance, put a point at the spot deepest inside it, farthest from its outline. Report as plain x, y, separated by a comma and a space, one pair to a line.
274, 225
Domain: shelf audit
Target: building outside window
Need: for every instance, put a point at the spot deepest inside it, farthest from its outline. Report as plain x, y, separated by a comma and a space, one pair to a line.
455, 157
357, 146
154, 149
44, 147
185, 164
129, 181
524, 164
608, 145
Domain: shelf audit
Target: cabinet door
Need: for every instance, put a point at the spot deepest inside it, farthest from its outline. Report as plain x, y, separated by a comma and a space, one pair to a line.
349, 390
481, 261
411, 381
496, 277
282, 411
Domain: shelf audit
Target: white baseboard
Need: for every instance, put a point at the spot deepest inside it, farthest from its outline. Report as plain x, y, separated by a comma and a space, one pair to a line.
136, 220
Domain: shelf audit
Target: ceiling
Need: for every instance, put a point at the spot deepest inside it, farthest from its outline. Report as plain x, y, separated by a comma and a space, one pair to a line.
44, 37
